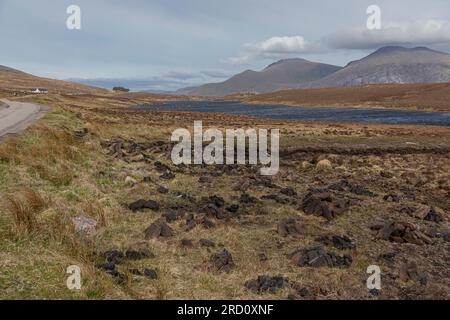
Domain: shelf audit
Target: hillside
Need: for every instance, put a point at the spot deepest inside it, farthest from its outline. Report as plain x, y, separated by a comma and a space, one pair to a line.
392, 65
289, 73
13, 79
425, 97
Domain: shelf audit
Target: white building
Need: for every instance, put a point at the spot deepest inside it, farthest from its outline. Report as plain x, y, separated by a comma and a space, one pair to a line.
40, 90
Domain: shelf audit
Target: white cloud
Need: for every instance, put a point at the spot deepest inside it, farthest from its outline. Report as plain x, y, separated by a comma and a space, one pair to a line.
419, 32
273, 48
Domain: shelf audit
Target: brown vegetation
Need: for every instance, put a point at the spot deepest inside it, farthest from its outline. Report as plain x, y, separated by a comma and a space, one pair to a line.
210, 231
423, 97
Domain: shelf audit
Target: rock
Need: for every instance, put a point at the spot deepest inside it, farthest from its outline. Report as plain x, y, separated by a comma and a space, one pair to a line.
290, 227
138, 251
80, 134
303, 293
410, 271
324, 165
167, 176
162, 190
187, 243
263, 257
316, 257
204, 179
388, 256
288, 192
345, 185
84, 226
375, 292
306, 165
135, 272
207, 243
114, 256
144, 204
275, 198
108, 266
266, 284
208, 224
222, 261
151, 274
172, 216
246, 199
233, 208
324, 204
119, 277
338, 242
190, 223
160, 167
392, 197
219, 202
159, 228
401, 232
131, 181
434, 216
147, 179
428, 213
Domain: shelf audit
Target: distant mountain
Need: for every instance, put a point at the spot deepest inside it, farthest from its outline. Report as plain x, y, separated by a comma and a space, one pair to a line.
13, 79
392, 65
288, 73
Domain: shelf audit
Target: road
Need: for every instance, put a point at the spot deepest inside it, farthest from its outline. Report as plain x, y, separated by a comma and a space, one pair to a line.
17, 116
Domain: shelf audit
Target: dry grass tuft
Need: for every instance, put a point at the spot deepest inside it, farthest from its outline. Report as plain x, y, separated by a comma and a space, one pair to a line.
35, 200
9, 150
24, 208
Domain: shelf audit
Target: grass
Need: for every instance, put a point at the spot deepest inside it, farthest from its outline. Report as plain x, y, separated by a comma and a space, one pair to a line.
48, 176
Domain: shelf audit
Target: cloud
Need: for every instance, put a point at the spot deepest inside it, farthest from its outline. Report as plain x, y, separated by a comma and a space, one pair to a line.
274, 48
215, 74
171, 80
420, 32
182, 75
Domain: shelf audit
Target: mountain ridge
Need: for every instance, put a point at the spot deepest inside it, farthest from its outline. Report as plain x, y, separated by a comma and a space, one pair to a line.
387, 65
279, 75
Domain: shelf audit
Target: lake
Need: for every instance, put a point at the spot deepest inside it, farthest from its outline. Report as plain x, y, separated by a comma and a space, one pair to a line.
373, 116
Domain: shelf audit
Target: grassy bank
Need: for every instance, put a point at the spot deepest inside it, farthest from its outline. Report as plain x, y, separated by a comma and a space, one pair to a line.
92, 157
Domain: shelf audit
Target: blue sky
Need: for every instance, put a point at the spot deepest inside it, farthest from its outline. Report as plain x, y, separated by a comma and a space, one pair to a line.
168, 44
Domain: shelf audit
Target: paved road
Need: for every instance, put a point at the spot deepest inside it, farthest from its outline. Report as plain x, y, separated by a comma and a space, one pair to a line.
16, 116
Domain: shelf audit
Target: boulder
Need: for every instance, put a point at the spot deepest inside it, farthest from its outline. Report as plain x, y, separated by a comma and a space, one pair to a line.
266, 284
401, 232
84, 226
339, 242
290, 227
157, 229
316, 257
324, 165
138, 251
151, 274
140, 205
207, 243
324, 204
114, 256
222, 261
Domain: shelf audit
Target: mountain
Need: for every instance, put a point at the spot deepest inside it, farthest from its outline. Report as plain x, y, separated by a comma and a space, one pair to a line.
392, 65
288, 73
13, 79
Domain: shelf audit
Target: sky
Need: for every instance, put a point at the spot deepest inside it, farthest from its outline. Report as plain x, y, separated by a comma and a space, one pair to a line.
170, 44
